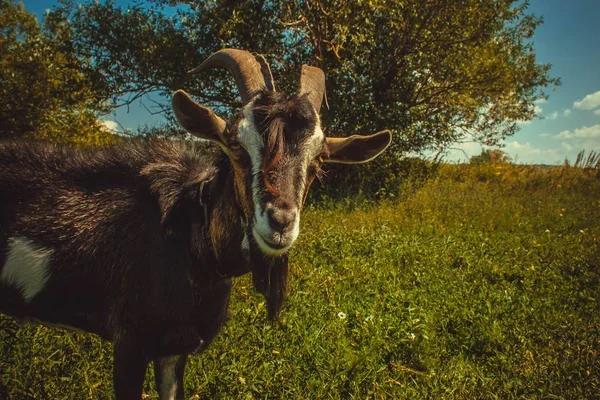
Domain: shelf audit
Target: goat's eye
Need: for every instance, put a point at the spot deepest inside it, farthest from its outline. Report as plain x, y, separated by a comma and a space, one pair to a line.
322, 157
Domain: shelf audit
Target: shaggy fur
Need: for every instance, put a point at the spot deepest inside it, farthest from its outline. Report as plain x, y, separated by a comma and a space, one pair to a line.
134, 259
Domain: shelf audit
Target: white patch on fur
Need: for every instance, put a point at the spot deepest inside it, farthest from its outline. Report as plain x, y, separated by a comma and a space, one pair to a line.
169, 378
26, 267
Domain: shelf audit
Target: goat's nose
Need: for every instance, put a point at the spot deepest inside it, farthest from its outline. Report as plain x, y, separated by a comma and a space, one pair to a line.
280, 220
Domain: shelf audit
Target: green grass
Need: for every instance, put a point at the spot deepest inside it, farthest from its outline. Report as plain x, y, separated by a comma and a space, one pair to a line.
477, 284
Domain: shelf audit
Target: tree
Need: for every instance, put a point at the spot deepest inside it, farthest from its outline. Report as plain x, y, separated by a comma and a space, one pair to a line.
45, 91
434, 72
489, 156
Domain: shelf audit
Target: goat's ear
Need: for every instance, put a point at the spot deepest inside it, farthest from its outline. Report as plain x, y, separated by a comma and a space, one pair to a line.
198, 120
357, 149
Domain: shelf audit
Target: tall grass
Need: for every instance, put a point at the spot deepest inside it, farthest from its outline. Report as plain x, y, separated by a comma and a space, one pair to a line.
592, 161
474, 282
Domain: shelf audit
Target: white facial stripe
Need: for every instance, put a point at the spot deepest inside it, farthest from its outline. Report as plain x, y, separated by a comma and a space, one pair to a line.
310, 151
250, 139
315, 143
27, 267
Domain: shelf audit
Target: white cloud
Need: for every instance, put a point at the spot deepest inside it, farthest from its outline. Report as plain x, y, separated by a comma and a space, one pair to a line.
584, 132
540, 101
567, 112
589, 102
462, 152
597, 112
587, 138
530, 154
527, 147
564, 135
553, 116
538, 110
566, 146
544, 134
111, 126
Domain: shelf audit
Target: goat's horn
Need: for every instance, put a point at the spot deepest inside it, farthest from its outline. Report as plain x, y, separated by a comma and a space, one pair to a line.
312, 83
244, 67
266, 71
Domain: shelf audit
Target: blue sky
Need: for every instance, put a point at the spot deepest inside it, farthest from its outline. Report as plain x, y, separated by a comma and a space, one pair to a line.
568, 40
569, 120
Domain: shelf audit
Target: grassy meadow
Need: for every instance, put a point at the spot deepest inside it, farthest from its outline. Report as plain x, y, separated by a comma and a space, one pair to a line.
479, 282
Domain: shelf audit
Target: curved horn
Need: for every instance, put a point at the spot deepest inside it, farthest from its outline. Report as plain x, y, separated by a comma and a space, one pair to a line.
244, 67
312, 83
266, 71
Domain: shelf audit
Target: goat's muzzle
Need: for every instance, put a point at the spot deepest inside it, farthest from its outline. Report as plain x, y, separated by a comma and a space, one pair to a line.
276, 229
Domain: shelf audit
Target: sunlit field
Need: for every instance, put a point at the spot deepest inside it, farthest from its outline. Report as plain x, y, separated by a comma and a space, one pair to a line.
475, 282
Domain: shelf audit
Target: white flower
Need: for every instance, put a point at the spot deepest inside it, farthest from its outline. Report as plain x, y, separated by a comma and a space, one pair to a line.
369, 318
342, 315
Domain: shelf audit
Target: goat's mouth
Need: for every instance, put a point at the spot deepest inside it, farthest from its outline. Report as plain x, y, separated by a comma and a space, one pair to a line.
274, 242
270, 245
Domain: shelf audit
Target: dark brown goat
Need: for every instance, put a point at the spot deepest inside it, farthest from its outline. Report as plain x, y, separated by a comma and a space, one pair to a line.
138, 242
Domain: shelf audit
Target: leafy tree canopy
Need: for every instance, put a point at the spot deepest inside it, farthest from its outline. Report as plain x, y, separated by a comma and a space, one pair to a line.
434, 72
45, 90
489, 156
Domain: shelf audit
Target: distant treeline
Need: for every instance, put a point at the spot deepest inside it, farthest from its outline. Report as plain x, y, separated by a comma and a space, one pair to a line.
391, 178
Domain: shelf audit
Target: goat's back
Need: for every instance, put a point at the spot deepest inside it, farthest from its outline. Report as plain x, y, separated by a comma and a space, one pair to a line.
98, 216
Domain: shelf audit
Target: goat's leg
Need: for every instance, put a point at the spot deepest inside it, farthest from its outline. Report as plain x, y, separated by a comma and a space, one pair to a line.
212, 312
129, 371
168, 375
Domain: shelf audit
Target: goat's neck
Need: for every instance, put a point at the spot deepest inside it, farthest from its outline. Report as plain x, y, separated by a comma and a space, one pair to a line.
226, 228
227, 231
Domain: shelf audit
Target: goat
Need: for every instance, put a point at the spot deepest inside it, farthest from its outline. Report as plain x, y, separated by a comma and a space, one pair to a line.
138, 242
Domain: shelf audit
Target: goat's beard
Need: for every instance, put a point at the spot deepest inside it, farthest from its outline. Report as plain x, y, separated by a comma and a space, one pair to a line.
269, 276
